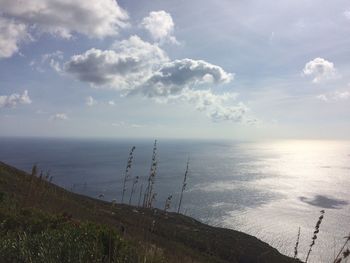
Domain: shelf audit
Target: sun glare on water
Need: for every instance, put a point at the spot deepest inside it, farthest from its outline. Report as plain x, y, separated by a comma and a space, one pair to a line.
307, 176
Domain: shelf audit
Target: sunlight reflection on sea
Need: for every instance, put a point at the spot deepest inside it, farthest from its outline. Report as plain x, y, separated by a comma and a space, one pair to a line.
267, 189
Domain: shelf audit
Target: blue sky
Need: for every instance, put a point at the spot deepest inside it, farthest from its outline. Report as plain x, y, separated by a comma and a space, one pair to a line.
241, 70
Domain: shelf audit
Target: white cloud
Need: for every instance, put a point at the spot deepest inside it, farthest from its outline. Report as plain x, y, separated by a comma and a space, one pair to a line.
11, 101
218, 107
334, 96
124, 67
235, 113
342, 95
62, 18
11, 35
347, 14
58, 117
137, 67
160, 25
56, 54
323, 97
204, 99
141, 67
177, 75
90, 101
320, 69
65, 17
55, 65
111, 103
123, 124
52, 59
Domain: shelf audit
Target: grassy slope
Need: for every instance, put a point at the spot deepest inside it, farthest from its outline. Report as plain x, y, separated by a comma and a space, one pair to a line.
180, 238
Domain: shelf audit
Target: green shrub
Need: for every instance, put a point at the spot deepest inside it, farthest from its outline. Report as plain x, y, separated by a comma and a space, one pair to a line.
31, 236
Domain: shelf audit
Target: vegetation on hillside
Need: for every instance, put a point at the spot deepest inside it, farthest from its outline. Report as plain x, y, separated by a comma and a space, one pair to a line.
41, 220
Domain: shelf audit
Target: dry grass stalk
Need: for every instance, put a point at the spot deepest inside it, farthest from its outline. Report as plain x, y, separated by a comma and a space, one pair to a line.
343, 254
184, 184
317, 230
127, 170
297, 245
140, 196
136, 179
152, 199
148, 199
168, 203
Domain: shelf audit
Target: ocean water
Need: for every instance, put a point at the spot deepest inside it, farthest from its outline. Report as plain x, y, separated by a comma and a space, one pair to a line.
266, 189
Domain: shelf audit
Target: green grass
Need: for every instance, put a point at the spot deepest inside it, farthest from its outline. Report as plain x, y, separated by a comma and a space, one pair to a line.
31, 235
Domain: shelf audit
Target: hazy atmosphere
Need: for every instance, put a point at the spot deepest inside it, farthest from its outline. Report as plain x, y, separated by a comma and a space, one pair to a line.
242, 70
174, 131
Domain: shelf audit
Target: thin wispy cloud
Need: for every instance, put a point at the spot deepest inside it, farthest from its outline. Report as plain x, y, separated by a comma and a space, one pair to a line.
347, 14
124, 124
90, 101
48, 59
59, 117
334, 96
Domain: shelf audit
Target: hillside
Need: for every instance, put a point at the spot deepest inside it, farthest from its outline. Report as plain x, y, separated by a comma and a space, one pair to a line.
140, 235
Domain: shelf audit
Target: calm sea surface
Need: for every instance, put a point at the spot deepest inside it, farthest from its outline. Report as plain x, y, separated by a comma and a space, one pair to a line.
266, 189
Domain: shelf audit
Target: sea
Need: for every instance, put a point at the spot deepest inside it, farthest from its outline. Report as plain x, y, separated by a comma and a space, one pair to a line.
268, 189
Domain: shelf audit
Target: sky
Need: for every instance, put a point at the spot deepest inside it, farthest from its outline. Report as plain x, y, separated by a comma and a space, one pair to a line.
213, 69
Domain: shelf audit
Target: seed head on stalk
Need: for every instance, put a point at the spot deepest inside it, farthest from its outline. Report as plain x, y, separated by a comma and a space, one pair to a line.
128, 170
343, 253
316, 231
168, 203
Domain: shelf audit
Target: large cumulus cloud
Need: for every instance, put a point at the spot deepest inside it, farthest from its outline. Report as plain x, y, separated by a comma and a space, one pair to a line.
141, 67
174, 76
124, 67
134, 66
62, 18
92, 18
